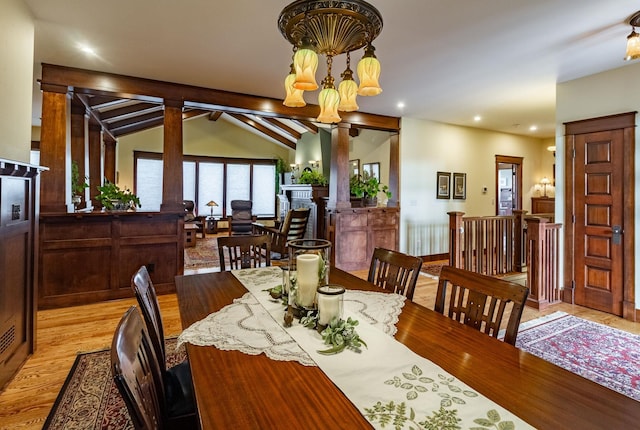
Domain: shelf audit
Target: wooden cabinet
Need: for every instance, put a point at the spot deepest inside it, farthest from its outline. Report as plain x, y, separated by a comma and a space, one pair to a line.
90, 257
19, 188
356, 232
543, 205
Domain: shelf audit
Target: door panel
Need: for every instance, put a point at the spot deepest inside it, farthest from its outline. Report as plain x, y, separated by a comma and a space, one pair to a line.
598, 208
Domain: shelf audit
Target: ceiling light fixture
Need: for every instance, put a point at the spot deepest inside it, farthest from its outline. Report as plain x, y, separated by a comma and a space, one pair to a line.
633, 39
331, 28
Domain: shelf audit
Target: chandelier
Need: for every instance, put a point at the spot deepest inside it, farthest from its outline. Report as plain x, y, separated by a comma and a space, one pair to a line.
331, 28
633, 39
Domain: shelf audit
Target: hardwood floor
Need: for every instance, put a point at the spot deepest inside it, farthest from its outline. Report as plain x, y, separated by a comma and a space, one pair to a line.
62, 333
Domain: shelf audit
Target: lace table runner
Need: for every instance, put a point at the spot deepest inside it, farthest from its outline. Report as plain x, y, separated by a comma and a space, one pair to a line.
254, 328
391, 385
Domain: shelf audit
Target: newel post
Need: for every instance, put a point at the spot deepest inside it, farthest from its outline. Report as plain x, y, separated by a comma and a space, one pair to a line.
456, 230
535, 247
519, 240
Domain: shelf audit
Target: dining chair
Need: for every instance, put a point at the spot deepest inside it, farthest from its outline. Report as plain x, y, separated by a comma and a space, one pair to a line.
481, 301
177, 379
394, 271
293, 227
241, 220
137, 374
243, 252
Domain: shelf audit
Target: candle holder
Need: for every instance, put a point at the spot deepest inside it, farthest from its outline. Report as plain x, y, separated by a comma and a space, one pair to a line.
330, 304
309, 261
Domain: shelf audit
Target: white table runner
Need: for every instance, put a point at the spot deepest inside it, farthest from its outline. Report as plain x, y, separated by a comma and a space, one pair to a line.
391, 385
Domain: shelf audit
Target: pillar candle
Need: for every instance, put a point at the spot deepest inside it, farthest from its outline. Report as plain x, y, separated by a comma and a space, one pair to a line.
307, 266
329, 303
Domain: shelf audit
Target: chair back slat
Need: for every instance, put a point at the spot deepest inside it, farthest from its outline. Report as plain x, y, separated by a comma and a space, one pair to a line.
243, 252
136, 372
481, 301
148, 300
394, 271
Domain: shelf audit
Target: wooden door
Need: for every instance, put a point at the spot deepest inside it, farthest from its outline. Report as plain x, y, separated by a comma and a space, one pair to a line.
602, 227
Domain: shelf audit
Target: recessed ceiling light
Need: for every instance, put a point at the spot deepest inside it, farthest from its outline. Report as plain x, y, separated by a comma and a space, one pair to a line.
87, 50
477, 118
533, 128
400, 105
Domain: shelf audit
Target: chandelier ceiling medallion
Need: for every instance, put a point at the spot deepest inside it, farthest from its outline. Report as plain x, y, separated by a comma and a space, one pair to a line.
331, 28
633, 39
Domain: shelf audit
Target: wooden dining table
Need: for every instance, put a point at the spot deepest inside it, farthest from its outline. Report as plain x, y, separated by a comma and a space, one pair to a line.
240, 391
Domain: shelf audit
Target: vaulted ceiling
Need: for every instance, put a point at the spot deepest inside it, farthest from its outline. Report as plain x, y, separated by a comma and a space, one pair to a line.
121, 117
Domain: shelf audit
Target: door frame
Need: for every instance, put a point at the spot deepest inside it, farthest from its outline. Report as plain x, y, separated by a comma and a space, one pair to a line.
625, 121
508, 159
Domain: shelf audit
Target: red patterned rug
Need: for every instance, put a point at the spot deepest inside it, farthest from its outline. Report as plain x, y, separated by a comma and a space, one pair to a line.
603, 354
89, 399
432, 270
203, 255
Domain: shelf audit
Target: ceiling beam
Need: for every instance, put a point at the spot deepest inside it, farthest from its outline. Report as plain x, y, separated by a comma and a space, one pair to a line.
137, 127
129, 87
192, 113
113, 114
263, 129
93, 114
282, 126
311, 127
213, 116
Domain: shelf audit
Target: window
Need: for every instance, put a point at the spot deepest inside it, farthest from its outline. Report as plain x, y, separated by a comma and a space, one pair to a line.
209, 178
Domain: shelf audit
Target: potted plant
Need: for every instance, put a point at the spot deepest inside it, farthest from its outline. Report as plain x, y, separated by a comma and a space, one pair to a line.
77, 184
113, 198
313, 177
283, 172
368, 187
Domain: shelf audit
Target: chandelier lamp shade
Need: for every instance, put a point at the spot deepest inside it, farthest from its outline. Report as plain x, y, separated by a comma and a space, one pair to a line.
331, 28
633, 39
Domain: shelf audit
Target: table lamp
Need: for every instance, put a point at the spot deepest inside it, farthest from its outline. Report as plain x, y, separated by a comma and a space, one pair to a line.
211, 204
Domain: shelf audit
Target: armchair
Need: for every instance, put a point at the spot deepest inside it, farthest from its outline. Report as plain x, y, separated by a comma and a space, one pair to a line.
190, 216
240, 220
293, 227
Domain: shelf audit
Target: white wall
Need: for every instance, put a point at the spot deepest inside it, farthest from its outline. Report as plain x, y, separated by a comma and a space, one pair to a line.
201, 137
427, 147
608, 93
16, 79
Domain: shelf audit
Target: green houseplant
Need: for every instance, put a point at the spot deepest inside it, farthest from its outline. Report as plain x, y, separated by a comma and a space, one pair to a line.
368, 187
113, 198
313, 177
77, 184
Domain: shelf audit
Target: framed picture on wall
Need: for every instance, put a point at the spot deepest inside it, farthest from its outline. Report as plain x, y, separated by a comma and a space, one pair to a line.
371, 170
442, 185
460, 186
354, 167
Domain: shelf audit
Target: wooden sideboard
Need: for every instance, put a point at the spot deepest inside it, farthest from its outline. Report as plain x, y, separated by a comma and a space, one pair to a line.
19, 190
356, 232
543, 205
90, 257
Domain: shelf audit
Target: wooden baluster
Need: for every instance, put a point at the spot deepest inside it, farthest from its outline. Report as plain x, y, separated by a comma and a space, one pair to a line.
455, 238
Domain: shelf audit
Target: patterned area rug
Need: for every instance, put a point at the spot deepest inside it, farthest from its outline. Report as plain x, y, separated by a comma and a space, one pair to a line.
605, 355
432, 270
89, 399
203, 255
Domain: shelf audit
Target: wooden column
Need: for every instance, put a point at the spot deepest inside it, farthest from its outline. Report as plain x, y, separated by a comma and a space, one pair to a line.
95, 162
339, 197
394, 169
172, 157
53, 148
109, 158
79, 141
